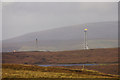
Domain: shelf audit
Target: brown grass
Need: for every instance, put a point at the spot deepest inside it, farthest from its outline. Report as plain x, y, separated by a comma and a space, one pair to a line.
31, 71
109, 55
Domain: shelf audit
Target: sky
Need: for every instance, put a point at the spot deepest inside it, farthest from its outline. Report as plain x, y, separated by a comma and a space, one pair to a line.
0, 22
19, 18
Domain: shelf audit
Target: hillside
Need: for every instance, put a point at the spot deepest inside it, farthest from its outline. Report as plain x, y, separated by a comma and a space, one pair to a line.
107, 55
30, 71
104, 68
100, 35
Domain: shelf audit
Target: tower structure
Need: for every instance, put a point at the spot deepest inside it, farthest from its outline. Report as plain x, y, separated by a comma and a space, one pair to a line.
36, 44
85, 39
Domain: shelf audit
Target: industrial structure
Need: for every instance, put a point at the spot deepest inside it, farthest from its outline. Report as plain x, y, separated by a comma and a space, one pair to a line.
85, 39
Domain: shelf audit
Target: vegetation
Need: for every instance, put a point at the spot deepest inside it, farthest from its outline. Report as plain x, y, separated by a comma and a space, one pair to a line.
108, 68
102, 56
17, 65
32, 71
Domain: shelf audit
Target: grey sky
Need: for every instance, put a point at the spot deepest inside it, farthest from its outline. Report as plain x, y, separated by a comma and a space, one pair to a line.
0, 22
24, 17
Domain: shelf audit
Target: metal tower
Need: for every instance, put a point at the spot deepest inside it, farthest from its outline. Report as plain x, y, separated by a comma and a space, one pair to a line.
36, 44
85, 39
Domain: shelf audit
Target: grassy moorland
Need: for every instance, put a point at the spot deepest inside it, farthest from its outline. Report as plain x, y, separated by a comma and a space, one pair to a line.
107, 55
104, 68
14, 65
32, 71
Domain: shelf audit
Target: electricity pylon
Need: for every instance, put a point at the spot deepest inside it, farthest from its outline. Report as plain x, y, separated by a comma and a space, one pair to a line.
36, 44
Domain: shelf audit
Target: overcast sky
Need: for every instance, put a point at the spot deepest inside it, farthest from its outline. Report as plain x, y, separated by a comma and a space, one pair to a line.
20, 18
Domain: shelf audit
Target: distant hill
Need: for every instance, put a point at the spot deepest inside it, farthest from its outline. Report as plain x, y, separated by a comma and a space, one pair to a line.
100, 35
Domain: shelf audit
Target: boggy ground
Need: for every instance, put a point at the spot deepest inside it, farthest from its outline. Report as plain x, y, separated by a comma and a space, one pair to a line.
108, 55
98, 56
104, 68
31, 71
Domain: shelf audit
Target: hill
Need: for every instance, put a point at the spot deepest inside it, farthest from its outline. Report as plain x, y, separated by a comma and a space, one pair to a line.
100, 35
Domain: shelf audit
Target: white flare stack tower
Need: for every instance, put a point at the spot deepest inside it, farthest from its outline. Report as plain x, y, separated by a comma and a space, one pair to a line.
85, 39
